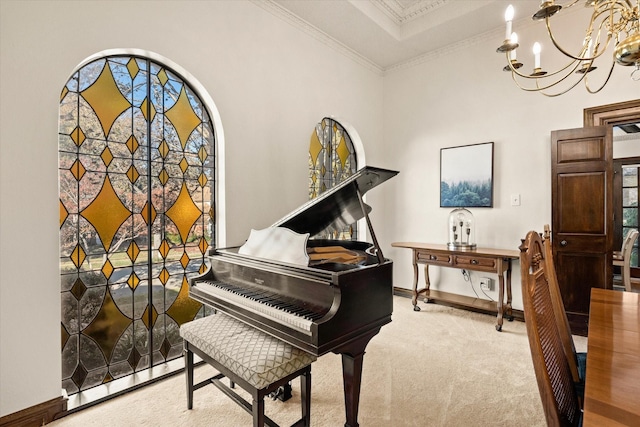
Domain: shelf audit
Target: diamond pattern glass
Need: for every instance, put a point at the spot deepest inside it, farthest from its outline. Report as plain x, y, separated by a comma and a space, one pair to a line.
136, 155
332, 159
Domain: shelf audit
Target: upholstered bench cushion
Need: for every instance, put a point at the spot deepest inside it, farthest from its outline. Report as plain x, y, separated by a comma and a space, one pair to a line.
258, 358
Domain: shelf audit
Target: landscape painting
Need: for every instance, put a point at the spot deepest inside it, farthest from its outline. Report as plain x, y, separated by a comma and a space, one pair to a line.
466, 176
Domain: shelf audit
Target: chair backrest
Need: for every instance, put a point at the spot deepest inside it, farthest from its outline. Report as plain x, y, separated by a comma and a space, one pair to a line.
558, 306
559, 398
627, 247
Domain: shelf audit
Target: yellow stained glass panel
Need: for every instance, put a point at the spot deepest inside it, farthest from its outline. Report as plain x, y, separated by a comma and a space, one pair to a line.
315, 147
183, 118
184, 213
78, 256
133, 251
106, 213
64, 213
145, 317
183, 308
108, 325
103, 89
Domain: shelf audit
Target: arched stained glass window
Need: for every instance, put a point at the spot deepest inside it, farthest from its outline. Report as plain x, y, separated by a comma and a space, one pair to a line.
137, 205
332, 159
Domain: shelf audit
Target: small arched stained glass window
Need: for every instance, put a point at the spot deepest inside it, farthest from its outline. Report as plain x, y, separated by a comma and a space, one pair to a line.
332, 159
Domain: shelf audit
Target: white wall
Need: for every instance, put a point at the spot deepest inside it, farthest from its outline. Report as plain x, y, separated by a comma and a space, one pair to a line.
270, 81
461, 96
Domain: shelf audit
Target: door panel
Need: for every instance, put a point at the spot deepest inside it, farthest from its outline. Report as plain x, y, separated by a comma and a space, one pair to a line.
576, 216
582, 216
585, 270
580, 150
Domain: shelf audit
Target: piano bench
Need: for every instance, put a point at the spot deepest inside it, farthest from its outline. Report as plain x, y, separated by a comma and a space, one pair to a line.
256, 361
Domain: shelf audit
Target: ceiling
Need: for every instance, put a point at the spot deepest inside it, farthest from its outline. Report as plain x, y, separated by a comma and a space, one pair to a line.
391, 32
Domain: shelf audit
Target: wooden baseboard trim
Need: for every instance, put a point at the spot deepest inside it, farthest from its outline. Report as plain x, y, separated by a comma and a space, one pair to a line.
408, 293
37, 415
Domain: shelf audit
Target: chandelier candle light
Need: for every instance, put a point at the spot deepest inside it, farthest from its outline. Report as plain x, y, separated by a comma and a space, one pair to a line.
613, 23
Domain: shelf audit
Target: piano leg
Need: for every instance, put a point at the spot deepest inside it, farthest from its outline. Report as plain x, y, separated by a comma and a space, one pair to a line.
352, 359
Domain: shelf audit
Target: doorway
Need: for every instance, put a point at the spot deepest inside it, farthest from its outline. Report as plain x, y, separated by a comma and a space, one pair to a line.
626, 187
624, 118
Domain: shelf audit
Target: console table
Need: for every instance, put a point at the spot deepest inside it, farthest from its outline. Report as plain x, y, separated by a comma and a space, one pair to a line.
496, 261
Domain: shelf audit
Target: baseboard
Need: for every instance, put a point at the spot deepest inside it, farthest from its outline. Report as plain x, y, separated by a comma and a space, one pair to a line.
408, 293
38, 415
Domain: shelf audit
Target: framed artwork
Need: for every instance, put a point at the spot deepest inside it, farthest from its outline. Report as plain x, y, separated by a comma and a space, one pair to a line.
466, 176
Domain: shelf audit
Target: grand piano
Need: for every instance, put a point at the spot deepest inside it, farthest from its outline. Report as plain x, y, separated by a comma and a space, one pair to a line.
335, 303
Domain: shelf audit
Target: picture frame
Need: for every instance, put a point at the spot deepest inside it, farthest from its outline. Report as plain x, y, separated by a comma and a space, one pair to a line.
466, 176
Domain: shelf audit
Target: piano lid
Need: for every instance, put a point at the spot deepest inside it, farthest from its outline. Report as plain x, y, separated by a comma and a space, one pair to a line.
339, 206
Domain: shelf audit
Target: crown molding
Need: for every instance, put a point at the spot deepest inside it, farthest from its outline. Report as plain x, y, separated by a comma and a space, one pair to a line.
463, 45
446, 50
416, 9
401, 15
317, 34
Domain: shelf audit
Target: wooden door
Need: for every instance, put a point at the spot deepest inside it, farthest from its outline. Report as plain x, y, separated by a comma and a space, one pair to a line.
582, 216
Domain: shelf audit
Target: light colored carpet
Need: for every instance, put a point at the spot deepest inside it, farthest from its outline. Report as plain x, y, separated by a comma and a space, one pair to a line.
437, 367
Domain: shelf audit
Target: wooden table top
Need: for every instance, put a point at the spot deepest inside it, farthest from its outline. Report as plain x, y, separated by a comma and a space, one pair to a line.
612, 389
503, 253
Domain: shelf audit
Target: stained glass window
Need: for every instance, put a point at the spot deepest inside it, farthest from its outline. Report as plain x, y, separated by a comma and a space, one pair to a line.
136, 174
332, 159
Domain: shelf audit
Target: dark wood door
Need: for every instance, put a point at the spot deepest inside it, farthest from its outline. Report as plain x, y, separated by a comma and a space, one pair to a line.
582, 216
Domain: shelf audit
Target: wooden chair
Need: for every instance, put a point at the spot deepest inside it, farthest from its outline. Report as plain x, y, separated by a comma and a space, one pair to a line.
622, 259
559, 398
577, 361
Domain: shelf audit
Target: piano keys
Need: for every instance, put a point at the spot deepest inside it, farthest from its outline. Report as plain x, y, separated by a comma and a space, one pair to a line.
336, 303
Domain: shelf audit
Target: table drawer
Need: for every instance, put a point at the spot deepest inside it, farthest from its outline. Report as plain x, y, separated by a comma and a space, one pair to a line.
475, 263
434, 257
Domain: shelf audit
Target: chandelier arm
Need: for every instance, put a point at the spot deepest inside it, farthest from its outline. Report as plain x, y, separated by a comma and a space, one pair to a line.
596, 51
586, 80
623, 4
584, 48
616, 7
623, 21
574, 63
526, 89
573, 3
539, 88
563, 78
553, 95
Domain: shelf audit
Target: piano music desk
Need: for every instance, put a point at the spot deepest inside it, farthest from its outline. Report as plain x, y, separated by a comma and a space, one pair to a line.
497, 261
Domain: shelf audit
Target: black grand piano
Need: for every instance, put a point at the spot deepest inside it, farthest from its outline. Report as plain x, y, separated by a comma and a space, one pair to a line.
335, 303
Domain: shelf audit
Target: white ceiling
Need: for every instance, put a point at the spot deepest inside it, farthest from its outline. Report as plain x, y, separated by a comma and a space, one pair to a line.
390, 32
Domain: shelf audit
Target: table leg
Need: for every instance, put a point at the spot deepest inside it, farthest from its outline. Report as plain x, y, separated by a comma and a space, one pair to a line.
509, 308
416, 291
500, 301
414, 300
427, 283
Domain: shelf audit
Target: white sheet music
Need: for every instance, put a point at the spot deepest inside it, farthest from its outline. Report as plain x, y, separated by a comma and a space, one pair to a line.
278, 244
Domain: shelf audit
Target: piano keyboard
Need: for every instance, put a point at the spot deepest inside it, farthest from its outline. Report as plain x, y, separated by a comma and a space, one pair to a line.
283, 309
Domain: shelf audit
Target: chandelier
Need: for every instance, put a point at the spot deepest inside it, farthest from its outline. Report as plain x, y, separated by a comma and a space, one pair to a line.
613, 23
